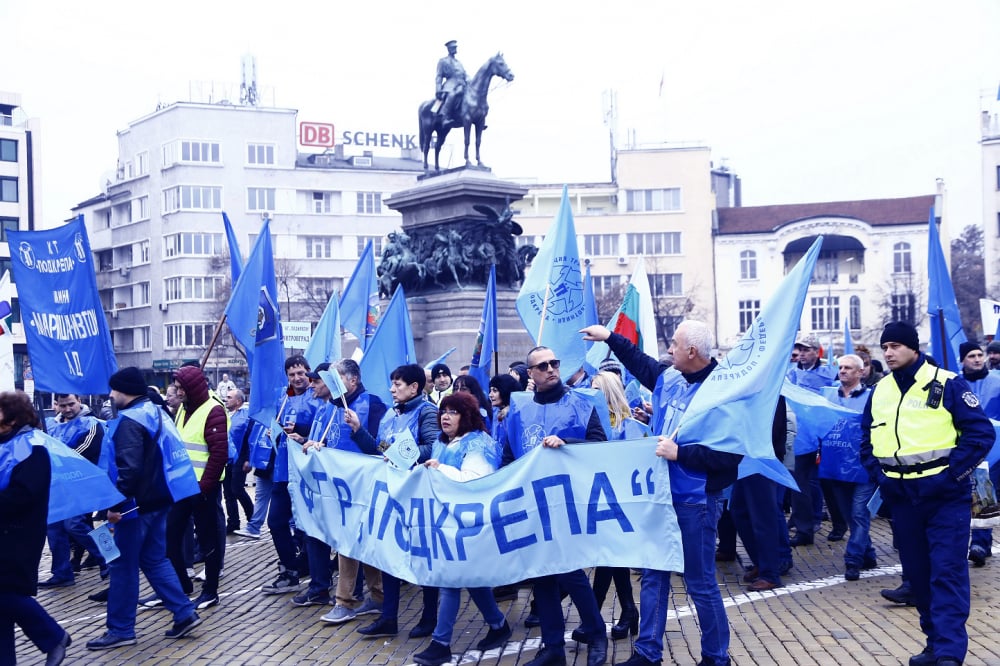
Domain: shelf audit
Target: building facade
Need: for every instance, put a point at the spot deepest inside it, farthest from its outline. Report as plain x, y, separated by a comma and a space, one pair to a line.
158, 235
990, 143
20, 205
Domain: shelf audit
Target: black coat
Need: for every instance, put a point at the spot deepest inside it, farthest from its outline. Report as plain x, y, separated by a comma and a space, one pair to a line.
24, 510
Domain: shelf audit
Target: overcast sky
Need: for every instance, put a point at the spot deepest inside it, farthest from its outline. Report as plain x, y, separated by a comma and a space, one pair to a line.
806, 101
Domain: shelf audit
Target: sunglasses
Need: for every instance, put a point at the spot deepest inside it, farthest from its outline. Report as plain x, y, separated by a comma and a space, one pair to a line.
545, 365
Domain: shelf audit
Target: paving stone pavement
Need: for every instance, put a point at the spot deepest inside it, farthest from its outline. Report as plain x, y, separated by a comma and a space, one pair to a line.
816, 619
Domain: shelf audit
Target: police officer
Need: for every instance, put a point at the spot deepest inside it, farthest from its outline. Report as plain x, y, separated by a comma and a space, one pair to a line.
923, 433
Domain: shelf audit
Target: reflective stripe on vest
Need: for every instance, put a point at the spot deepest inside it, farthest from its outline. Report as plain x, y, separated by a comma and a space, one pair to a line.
193, 434
905, 432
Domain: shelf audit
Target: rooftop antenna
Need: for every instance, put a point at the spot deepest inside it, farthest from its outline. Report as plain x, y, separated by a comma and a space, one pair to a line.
248, 81
611, 121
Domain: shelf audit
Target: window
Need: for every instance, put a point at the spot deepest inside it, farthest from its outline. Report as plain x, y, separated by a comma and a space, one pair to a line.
321, 202
199, 151
142, 163
998, 177
904, 307
901, 258
748, 267
667, 242
142, 338
669, 324
825, 313
190, 288
665, 284
192, 197
8, 189
140, 209
140, 252
188, 335
7, 224
143, 293
653, 200
598, 245
260, 153
855, 320
8, 150
605, 284
260, 198
321, 288
318, 247
376, 242
369, 203
748, 312
192, 244
5, 266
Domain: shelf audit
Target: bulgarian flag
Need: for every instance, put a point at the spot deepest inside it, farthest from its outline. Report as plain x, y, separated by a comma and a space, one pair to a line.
634, 319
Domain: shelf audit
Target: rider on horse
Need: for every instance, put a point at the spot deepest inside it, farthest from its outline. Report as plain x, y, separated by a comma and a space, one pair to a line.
450, 83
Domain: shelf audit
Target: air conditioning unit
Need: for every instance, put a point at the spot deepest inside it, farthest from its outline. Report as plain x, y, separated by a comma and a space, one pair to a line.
622, 261
125, 271
163, 307
359, 161
114, 314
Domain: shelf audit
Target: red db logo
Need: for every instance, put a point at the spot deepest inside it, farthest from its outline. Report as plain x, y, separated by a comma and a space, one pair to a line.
316, 134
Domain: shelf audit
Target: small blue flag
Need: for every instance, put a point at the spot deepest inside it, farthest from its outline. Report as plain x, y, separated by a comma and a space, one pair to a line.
78, 486
333, 382
235, 256
554, 287
848, 343
325, 344
486, 340
946, 322
255, 322
359, 306
390, 347
439, 359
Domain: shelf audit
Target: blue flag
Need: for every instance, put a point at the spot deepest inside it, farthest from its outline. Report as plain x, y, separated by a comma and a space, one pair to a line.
333, 382
439, 359
78, 486
324, 346
391, 347
848, 343
732, 410
486, 341
554, 288
255, 321
946, 323
359, 306
235, 256
68, 339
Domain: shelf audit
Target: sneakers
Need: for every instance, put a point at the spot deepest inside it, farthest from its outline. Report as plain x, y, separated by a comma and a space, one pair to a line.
247, 533
977, 555
109, 641
379, 628
340, 615
494, 638
369, 607
287, 581
205, 600
69, 582
436, 654
181, 629
152, 601
309, 598
852, 573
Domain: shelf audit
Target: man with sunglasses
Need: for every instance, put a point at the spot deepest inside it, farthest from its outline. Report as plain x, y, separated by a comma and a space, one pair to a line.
552, 416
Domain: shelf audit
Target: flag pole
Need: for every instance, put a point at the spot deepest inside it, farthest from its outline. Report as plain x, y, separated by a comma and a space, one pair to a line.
545, 306
944, 340
215, 337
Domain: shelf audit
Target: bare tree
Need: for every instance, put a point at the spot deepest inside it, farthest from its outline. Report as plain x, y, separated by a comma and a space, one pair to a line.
968, 278
286, 274
900, 298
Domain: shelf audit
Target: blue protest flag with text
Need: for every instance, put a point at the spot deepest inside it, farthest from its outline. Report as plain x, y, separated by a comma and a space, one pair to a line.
78, 486
551, 302
486, 341
946, 322
69, 343
359, 305
254, 319
390, 347
731, 411
235, 256
325, 344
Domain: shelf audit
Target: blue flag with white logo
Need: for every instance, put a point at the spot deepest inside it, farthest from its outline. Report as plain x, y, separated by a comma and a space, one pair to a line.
235, 256
946, 322
78, 486
486, 339
733, 408
551, 302
67, 333
253, 317
324, 346
391, 347
359, 306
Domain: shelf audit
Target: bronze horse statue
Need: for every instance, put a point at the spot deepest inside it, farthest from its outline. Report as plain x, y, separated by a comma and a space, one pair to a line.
472, 111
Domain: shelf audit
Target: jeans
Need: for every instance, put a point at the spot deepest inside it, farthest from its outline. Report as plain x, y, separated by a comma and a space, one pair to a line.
261, 502
984, 537
143, 545
61, 535
235, 492
321, 578
448, 611
279, 520
390, 601
205, 511
852, 501
697, 525
840, 515
36, 624
760, 524
803, 509
548, 599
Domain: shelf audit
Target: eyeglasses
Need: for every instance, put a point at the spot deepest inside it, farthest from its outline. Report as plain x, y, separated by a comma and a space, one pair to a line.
449, 412
545, 365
